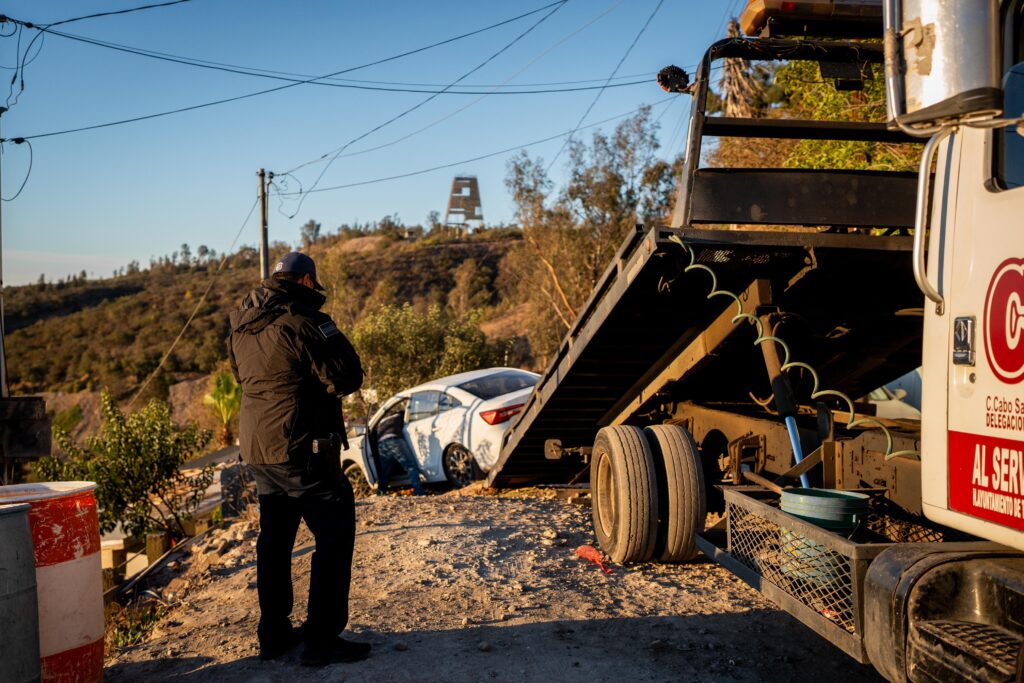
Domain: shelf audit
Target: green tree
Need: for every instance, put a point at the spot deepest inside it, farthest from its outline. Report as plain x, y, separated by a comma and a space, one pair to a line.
470, 292
225, 398
570, 237
135, 461
401, 346
809, 96
310, 233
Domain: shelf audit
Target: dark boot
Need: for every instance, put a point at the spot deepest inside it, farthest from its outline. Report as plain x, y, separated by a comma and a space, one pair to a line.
333, 651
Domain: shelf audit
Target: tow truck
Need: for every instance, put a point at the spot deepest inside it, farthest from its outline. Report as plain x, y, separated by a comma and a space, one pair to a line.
717, 365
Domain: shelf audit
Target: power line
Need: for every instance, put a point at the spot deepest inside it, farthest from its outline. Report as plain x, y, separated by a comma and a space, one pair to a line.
31, 158
22, 62
111, 13
413, 108
470, 104
352, 86
476, 158
290, 85
390, 86
601, 90
195, 311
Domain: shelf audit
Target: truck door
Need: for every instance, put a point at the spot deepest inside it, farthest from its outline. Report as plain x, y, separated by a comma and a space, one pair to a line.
973, 467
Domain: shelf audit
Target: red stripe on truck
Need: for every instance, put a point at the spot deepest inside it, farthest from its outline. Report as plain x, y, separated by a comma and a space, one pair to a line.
986, 478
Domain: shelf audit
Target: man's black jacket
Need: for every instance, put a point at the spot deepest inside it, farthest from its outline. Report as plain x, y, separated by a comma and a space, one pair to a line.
294, 366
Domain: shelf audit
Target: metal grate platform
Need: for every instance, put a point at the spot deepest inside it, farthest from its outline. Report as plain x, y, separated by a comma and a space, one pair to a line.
808, 569
820, 569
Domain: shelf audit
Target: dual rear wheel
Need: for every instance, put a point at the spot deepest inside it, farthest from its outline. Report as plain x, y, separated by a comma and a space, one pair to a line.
647, 487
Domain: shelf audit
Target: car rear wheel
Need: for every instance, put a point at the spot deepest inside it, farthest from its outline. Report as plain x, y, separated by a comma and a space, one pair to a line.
360, 487
460, 466
681, 493
625, 494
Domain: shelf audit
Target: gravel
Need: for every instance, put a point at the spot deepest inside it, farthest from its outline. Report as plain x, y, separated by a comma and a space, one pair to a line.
464, 587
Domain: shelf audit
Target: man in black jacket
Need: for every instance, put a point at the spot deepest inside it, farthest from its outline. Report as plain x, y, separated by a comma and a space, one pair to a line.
294, 367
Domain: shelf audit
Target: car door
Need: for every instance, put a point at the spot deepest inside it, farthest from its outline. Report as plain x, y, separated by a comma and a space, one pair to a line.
450, 423
419, 429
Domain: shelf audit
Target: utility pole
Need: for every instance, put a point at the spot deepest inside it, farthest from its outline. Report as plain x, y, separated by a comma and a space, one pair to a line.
264, 246
4, 392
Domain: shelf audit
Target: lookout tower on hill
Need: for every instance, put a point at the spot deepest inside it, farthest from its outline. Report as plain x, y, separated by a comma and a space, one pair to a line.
464, 208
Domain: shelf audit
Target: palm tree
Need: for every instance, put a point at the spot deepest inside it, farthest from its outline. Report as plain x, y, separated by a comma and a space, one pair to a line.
226, 398
738, 86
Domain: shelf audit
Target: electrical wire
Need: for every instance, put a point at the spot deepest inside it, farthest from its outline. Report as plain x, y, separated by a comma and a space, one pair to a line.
286, 86
476, 158
31, 157
111, 13
18, 64
195, 311
601, 90
42, 29
386, 86
413, 108
477, 100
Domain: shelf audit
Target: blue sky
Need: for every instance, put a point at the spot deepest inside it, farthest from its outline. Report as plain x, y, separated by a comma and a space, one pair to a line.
98, 199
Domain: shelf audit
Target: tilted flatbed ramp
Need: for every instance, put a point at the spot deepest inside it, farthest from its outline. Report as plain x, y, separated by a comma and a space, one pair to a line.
851, 297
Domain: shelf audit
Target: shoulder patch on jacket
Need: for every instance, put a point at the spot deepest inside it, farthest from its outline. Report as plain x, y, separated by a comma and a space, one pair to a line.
328, 329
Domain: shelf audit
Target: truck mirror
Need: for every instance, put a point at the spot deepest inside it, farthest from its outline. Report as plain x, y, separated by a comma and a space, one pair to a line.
942, 65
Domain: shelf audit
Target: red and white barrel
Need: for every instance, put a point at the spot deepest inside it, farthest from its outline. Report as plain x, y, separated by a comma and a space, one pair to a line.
69, 577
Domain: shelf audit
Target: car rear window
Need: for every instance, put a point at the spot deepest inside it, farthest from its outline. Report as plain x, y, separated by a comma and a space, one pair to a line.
499, 383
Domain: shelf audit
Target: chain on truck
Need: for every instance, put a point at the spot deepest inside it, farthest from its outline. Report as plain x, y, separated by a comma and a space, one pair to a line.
720, 363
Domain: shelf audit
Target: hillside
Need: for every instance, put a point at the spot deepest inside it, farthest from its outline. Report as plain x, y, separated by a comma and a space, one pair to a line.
112, 333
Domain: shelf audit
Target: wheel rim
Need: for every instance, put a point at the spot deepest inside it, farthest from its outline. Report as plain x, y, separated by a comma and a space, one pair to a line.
606, 494
460, 467
360, 487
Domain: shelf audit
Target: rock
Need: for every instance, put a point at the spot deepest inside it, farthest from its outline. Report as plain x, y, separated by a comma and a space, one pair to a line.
425, 542
484, 646
550, 533
465, 621
547, 541
401, 646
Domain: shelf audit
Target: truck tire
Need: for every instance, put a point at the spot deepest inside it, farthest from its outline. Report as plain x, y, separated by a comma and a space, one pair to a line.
681, 494
625, 494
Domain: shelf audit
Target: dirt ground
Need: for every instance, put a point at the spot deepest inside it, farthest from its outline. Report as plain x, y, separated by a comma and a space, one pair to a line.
484, 588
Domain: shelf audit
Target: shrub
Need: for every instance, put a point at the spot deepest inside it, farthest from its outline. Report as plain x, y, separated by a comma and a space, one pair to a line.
135, 461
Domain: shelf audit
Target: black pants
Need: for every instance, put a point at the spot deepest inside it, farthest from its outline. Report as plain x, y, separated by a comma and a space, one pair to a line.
322, 497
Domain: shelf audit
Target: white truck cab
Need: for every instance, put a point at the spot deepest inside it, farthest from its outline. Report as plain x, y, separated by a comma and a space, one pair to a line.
972, 452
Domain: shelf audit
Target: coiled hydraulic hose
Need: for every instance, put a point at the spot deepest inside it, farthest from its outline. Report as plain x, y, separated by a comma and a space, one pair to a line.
788, 364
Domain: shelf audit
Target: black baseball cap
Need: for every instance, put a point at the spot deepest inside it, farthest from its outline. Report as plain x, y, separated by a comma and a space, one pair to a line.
297, 263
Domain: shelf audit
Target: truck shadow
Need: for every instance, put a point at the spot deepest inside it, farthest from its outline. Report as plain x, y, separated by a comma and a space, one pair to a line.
758, 645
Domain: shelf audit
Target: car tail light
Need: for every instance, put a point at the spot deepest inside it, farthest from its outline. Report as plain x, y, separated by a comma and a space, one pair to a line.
494, 417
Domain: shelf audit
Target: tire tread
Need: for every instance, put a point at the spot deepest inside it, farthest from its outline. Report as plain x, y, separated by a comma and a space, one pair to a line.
684, 504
